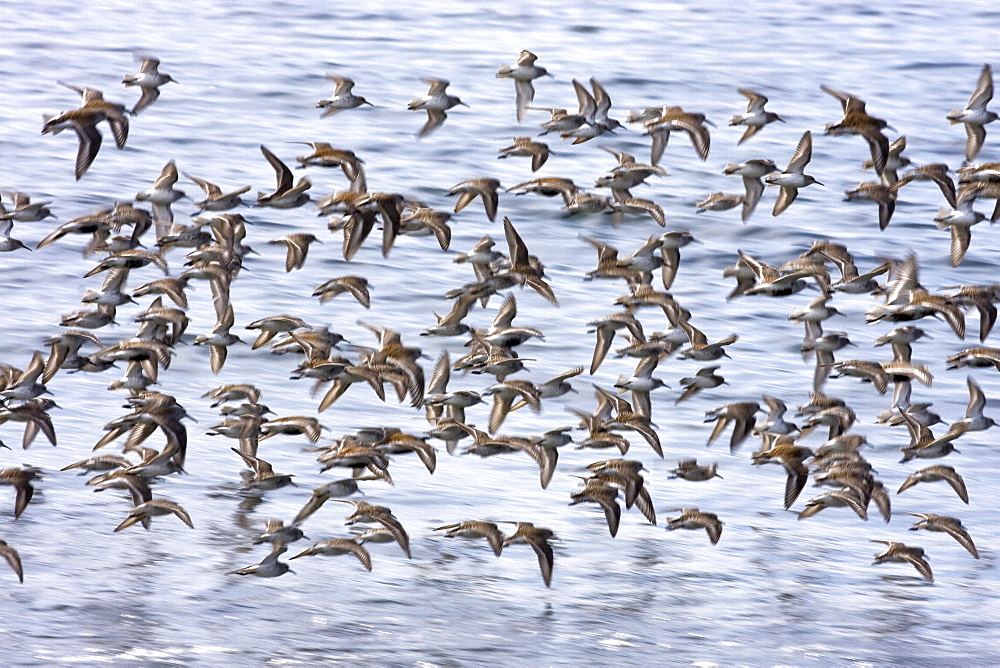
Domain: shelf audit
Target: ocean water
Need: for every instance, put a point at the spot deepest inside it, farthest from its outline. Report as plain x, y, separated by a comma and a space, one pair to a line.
774, 590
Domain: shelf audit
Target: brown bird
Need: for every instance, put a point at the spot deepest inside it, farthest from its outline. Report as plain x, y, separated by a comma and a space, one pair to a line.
12, 558
900, 553
538, 538
20, 479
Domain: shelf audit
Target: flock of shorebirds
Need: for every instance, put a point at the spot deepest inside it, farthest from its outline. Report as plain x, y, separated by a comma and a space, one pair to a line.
215, 247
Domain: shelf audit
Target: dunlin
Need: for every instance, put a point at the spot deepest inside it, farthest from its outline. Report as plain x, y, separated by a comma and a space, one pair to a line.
689, 469
597, 491
694, 519
436, 102
84, 122
937, 473
162, 194
215, 199
538, 538
484, 188
523, 72
528, 148
154, 508
857, 121
276, 533
669, 119
338, 546
950, 525
12, 558
476, 529
705, 378
752, 172
794, 176
975, 116
342, 98
298, 247
900, 553
24, 211
269, 566
149, 79
740, 414
874, 191
719, 202
20, 479
285, 195
755, 117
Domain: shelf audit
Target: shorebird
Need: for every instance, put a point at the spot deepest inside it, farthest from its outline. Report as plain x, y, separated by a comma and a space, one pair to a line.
215, 199
900, 553
484, 188
339, 546
755, 117
975, 116
436, 102
285, 195
528, 148
84, 122
661, 122
937, 173
740, 414
523, 72
857, 121
689, 469
24, 211
13, 559
538, 538
269, 566
149, 79
298, 248
950, 525
20, 479
752, 172
153, 508
162, 194
476, 529
694, 519
794, 176
341, 99
937, 473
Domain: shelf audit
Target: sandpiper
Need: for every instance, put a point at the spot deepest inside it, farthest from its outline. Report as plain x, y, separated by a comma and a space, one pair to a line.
436, 102
341, 99
975, 116
794, 176
900, 553
13, 559
24, 211
523, 72
84, 122
935, 474
692, 518
752, 172
484, 188
476, 529
527, 147
338, 546
149, 79
285, 195
269, 566
538, 538
162, 194
950, 525
755, 117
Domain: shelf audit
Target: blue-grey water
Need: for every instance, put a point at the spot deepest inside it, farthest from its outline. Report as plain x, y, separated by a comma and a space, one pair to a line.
773, 591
